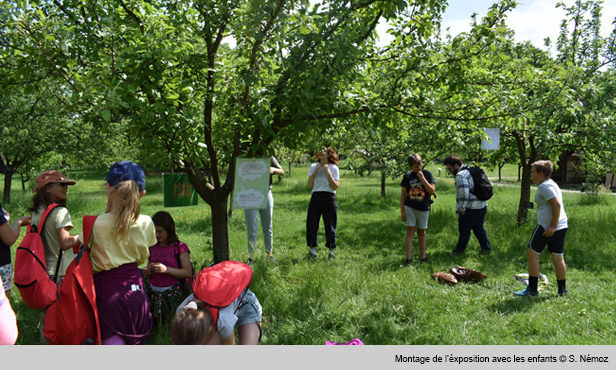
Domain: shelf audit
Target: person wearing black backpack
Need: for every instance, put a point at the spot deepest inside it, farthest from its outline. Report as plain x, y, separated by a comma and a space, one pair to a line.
470, 209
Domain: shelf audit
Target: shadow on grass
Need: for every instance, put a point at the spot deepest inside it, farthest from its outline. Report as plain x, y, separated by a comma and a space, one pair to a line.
515, 305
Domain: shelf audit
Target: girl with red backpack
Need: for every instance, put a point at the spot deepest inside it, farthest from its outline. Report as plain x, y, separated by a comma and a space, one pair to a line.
120, 241
168, 269
51, 189
220, 301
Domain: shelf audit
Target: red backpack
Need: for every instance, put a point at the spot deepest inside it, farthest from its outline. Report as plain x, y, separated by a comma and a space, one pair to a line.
36, 288
73, 317
219, 285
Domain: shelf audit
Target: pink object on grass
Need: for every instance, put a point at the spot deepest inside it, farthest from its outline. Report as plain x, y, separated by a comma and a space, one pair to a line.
352, 342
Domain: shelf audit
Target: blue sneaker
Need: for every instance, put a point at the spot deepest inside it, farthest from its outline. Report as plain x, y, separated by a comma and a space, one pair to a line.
563, 292
527, 292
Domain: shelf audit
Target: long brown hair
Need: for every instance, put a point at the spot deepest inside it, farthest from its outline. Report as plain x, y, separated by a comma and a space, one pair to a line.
42, 199
331, 155
164, 220
127, 206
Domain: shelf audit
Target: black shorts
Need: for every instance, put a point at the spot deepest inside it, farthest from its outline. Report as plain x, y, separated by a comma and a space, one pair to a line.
555, 243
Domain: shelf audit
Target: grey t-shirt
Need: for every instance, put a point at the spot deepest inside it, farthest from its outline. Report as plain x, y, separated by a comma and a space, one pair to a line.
546, 191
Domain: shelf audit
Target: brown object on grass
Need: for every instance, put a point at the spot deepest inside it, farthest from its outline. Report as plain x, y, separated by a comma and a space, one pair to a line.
445, 278
464, 274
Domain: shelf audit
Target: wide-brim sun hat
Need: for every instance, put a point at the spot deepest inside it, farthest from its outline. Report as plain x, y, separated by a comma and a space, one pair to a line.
51, 176
124, 171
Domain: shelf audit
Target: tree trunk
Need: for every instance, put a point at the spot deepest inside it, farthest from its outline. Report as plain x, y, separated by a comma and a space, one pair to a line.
519, 167
383, 194
217, 200
526, 159
290, 168
524, 195
220, 230
7, 188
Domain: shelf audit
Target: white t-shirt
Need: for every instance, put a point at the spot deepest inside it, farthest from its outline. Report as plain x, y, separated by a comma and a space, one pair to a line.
546, 191
321, 182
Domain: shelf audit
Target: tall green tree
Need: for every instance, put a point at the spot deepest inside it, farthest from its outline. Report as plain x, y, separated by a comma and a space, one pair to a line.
164, 65
32, 127
484, 79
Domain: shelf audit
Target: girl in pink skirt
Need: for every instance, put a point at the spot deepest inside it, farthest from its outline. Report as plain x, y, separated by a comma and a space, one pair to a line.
120, 241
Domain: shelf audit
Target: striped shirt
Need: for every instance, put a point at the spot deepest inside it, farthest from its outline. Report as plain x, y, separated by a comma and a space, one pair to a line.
464, 198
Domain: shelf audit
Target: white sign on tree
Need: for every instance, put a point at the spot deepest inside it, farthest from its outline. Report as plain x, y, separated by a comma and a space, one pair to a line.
494, 143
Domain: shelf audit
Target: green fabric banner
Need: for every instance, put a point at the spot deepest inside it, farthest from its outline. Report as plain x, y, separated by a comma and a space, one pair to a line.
178, 191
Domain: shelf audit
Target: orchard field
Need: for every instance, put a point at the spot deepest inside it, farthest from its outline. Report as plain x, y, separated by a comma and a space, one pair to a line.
366, 292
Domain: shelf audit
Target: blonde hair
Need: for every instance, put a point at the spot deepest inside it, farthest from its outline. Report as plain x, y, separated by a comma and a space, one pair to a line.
127, 206
191, 327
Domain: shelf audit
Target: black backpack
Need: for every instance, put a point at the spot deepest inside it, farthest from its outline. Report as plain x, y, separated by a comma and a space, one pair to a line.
483, 186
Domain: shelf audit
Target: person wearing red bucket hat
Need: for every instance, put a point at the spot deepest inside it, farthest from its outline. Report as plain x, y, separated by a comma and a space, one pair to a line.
51, 176
120, 243
51, 188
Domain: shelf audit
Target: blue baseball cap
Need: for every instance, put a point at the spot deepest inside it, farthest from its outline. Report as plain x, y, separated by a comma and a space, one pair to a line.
126, 170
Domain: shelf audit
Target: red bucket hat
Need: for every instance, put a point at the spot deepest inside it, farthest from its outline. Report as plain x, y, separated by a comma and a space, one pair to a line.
49, 177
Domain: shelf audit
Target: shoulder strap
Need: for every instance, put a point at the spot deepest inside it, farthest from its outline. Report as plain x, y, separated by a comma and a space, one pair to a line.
241, 297
179, 262
41, 224
40, 230
88, 224
177, 253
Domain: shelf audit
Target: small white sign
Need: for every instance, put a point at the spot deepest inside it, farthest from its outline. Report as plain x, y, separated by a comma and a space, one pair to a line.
494, 135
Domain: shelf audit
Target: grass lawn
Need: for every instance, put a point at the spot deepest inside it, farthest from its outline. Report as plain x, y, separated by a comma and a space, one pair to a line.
366, 292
